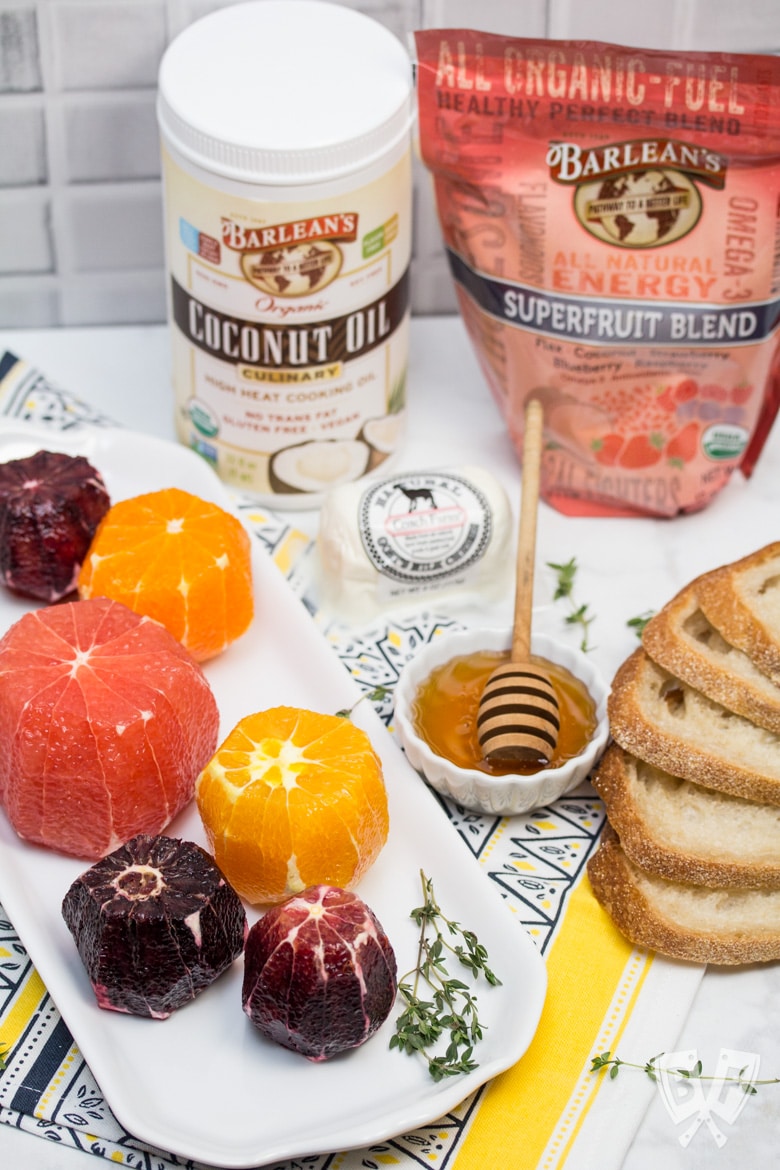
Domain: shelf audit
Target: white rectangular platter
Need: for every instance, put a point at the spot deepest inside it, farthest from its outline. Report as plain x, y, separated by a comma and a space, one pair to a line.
204, 1084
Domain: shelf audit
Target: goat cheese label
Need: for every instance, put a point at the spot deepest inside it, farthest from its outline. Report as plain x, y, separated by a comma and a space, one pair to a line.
422, 528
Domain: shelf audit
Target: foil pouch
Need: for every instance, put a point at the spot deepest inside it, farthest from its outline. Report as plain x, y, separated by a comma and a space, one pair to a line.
610, 218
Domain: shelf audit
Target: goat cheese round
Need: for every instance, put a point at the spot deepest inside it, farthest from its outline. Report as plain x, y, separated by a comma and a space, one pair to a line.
436, 532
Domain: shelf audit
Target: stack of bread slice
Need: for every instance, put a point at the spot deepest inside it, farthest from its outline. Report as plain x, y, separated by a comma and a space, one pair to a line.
689, 862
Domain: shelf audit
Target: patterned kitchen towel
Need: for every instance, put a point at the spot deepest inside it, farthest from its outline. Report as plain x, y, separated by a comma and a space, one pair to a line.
548, 1111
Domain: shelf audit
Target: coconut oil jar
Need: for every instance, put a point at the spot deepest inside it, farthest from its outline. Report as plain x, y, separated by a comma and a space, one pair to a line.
285, 131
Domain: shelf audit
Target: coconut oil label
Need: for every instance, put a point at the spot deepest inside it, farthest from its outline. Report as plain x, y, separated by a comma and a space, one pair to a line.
290, 331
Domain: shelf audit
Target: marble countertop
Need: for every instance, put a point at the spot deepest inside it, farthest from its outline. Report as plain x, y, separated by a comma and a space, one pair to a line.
626, 568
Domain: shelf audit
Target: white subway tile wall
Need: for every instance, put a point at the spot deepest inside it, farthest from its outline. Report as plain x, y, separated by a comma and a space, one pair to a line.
722, 25
20, 63
113, 140
81, 238
26, 243
23, 161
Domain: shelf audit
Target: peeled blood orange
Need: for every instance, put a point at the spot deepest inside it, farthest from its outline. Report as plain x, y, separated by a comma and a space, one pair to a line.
105, 722
50, 507
155, 923
319, 973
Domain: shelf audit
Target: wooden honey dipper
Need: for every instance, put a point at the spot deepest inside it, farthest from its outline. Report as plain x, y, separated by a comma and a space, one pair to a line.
518, 717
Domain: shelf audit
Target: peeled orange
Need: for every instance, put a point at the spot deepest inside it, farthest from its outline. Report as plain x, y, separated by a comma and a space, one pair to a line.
105, 722
178, 559
292, 799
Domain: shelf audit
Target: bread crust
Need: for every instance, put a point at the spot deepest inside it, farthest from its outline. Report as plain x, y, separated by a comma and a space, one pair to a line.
682, 639
613, 881
727, 595
688, 864
713, 747
615, 781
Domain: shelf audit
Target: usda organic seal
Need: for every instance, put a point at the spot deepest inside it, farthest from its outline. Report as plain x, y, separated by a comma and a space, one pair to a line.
203, 418
724, 441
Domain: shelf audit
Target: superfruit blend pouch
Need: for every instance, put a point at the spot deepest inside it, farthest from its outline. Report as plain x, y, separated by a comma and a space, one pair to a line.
610, 217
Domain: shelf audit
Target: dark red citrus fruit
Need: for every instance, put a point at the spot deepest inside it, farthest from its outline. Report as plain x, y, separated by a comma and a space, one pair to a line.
105, 723
155, 923
320, 974
50, 507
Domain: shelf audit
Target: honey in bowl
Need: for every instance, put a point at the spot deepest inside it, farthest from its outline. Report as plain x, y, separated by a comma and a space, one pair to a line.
446, 704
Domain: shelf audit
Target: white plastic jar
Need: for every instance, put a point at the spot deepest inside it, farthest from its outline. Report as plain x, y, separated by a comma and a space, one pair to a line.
286, 145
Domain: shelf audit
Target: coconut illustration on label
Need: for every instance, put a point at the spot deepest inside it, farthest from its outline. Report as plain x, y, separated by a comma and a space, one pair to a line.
317, 465
419, 532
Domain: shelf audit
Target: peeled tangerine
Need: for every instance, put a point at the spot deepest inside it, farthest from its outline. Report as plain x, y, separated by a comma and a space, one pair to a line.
105, 722
320, 974
50, 507
179, 559
155, 923
293, 798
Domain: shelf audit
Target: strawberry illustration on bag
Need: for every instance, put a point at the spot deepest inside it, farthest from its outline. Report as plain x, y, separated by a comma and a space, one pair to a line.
607, 448
642, 451
683, 446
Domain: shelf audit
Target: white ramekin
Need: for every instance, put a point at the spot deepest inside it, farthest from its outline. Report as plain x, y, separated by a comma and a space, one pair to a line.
502, 795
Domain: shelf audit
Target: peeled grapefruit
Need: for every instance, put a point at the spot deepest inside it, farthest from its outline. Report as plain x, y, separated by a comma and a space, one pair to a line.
105, 722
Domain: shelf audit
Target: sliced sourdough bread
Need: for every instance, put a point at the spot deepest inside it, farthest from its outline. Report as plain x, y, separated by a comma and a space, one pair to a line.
742, 600
660, 719
683, 921
683, 640
685, 832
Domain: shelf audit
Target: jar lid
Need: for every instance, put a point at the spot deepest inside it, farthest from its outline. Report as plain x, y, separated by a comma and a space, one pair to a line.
285, 91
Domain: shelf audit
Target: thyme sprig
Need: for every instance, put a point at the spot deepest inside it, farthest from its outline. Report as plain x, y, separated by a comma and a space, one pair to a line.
650, 1068
580, 615
638, 623
376, 695
451, 1011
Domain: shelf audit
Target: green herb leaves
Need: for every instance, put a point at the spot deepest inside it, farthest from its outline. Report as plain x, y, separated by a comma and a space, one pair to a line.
375, 696
449, 1011
580, 615
614, 1064
638, 623
607, 1061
